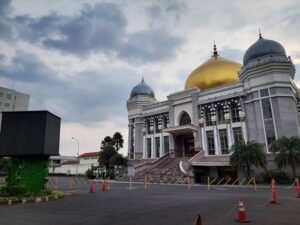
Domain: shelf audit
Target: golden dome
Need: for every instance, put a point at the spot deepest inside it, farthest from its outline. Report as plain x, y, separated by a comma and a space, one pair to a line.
214, 72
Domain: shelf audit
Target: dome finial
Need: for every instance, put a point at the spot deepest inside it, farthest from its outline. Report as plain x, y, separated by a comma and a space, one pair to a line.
215, 50
142, 79
260, 36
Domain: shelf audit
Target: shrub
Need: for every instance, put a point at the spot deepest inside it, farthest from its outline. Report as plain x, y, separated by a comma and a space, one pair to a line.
280, 177
14, 190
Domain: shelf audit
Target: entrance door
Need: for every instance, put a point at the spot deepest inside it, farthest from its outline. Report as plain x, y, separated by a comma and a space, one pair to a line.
228, 173
189, 147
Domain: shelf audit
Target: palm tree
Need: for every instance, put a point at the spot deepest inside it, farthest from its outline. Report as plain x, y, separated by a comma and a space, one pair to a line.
246, 154
118, 140
287, 152
105, 156
106, 142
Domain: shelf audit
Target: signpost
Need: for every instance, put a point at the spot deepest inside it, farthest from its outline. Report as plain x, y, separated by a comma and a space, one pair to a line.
130, 174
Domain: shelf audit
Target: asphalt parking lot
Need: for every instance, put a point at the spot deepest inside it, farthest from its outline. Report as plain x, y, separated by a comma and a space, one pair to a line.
158, 204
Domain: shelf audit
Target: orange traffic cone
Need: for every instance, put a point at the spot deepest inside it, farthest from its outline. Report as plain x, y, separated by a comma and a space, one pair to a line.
198, 220
274, 194
297, 188
104, 185
242, 215
108, 184
92, 187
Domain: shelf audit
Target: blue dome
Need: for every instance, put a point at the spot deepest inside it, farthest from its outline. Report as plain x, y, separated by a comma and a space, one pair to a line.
142, 89
263, 47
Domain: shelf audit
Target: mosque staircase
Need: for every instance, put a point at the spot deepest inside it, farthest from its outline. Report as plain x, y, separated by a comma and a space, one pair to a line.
164, 170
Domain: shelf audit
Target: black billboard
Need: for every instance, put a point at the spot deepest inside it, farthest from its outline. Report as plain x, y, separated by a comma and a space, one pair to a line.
29, 133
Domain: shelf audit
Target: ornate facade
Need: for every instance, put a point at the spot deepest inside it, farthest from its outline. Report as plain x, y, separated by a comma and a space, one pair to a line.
223, 102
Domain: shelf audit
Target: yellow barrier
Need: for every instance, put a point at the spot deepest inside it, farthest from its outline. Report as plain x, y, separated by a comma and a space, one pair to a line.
220, 181
242, 181
208, 183
189, 183
228, 181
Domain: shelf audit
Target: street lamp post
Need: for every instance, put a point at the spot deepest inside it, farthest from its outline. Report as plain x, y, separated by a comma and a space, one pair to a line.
77, 153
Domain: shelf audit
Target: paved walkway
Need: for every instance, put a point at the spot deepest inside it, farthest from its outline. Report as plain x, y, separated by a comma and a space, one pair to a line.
157, 205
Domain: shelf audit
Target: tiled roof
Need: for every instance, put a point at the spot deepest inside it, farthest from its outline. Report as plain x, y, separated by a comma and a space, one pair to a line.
89, 154
70, 162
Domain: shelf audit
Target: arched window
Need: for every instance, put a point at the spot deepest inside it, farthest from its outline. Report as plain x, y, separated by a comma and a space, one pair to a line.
185, 119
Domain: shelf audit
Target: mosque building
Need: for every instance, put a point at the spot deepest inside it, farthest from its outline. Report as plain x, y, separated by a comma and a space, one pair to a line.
222, 102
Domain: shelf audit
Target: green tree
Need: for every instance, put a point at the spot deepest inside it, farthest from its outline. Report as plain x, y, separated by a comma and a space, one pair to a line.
287, 152
105, 156
118, 140
4, 164
245, 154
119, 160
109, 156
107, 141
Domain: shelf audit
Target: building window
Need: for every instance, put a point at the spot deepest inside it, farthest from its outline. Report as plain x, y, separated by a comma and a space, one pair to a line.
264, 92
157, 146
165, 121
149, 147
268, 120
221, 115
185, 119
237, 134
166, 144
0, 104
131, 154
1, 94
208, 115
210, 142
224, 141
8, 96
156, 123
148, 126
235, 112
6, 105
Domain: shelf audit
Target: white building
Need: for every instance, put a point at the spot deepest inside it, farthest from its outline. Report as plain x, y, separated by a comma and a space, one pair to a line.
70, 165
11, 100
222, 102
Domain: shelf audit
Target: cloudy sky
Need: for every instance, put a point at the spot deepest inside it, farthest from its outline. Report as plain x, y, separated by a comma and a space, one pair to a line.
80, 59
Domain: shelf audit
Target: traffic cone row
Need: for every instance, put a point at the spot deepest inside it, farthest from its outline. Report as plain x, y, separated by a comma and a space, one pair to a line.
105, 186
242, 215
297, 188
92, 187
274, 194
198, 220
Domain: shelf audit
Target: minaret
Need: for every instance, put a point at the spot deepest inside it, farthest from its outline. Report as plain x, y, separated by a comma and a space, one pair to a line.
140, 96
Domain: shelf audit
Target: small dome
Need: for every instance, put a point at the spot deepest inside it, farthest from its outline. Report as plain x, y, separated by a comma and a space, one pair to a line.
142, 89
263, 47
214, 72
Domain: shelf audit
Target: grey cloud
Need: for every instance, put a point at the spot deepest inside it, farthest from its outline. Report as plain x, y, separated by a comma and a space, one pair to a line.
85, 97
150, 46
232, 53
27, 67
99, 28
4, 6
297, 75
162, 11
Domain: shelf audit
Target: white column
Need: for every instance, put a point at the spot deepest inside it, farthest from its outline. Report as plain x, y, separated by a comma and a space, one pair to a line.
144, 146
243, 124
153, 147
203, 141
203, 136
229, 135
217, 147
161, 147
228, 129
